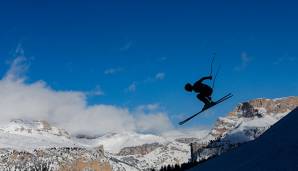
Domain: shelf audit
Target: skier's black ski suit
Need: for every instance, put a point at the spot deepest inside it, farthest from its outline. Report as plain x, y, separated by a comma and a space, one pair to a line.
204, 91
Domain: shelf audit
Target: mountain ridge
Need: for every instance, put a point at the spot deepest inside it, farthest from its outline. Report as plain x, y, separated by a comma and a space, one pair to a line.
135, 151
276, 149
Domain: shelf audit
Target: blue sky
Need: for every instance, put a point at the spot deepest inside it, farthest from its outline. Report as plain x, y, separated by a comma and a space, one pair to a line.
143, 52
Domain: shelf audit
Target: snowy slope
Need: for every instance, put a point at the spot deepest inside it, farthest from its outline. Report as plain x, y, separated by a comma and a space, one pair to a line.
29, 143
114, 142
256, 126
132, 150
163, 154
276, 149
125, 151
30, 135
245, 123
31, 128
252, 118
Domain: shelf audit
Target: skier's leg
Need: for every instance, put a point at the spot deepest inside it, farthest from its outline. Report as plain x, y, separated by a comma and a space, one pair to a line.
210, 100
207, 94
204, 99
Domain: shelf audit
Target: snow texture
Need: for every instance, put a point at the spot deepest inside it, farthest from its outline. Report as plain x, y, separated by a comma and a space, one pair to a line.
276, 149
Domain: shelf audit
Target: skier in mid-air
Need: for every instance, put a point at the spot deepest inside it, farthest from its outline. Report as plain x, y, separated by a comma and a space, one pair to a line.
204, 91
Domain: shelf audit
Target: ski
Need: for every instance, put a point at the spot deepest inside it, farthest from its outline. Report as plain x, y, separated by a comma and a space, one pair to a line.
226, 97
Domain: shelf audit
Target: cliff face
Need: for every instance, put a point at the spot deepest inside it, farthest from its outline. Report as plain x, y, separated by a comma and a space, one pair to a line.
55, 159
265, 107
36, 145
245, 123
258, 108
139, 150
43, 128
276, 149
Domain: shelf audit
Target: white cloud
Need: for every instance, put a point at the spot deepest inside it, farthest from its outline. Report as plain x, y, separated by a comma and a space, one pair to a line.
245, 60
112, 71
132, 87
153, 123
96, 92
19, 51
160, 76
70, 109
180, 116
149, 118
157, 77
149, 107
17, 70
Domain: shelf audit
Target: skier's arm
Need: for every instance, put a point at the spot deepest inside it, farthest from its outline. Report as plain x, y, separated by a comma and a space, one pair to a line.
205, 78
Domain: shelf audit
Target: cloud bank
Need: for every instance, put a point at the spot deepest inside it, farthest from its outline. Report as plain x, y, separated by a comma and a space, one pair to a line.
70, 109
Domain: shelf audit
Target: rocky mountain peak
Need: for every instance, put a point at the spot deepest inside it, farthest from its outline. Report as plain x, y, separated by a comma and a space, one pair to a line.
40, 144
25, 127
139, 150
245, 123
257, 108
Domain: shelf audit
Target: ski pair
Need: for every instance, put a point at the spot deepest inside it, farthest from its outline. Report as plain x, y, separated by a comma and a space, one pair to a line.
226, 97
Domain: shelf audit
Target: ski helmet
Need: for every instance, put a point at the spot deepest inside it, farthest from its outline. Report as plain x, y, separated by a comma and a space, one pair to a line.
188, 87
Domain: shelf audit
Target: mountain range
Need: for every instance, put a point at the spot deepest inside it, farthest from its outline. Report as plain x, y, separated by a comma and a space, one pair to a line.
37, 145
276, 149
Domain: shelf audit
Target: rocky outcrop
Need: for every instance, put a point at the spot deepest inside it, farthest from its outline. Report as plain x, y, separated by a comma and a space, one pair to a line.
54, 159
186, 140
276, 149
81, 165
257, 108
246, 122
139, 150
35, 127
260, 107
162, 155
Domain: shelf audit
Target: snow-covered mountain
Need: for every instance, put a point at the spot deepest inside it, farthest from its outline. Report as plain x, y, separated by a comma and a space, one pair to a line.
30, 135
276, 149
258, 113
134, 151
23, 127
247, 122
154, 154
37, 144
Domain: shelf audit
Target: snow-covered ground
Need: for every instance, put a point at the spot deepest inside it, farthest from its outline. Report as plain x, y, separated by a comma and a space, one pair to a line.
29, 143
31, 135
240, 135
113, 143
276, 149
